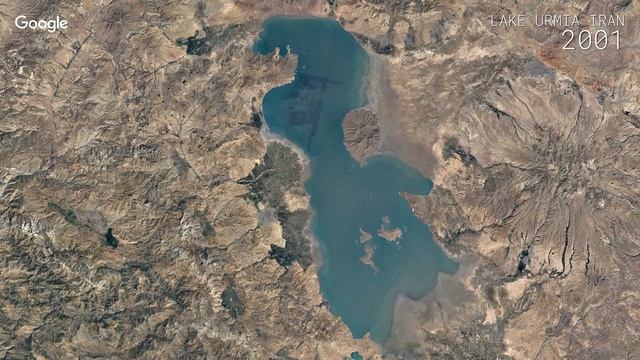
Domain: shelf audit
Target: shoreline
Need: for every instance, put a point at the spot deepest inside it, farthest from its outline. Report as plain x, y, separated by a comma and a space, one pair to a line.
382, 100
305, 163
375, 94
304, 159
412, 318
367, 346
379, 99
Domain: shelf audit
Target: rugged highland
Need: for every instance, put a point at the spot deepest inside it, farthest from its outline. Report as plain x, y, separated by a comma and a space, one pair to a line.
144, 215
533, 151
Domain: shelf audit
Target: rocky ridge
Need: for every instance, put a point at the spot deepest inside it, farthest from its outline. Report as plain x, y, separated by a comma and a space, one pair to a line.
531, 149
361, 134
130, 148
132, 226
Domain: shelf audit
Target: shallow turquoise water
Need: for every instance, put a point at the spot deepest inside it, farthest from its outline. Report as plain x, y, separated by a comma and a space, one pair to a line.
345, 196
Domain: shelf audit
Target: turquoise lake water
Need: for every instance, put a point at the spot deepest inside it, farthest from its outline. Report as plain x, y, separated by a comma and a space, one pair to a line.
330, 81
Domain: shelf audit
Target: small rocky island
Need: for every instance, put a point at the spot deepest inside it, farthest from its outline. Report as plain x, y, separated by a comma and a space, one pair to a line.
388, 233
361, 134
369, 251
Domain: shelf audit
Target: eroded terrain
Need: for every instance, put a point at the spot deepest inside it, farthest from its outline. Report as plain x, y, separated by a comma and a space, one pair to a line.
534, 159
362, 134
139, 217
143, 214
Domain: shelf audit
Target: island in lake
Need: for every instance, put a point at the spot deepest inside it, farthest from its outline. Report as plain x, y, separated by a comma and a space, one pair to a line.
345, 192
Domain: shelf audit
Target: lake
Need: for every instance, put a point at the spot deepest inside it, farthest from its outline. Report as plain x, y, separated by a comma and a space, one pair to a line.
373, 247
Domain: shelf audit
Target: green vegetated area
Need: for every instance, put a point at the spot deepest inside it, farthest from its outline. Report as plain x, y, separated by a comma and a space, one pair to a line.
204, 42
280, 171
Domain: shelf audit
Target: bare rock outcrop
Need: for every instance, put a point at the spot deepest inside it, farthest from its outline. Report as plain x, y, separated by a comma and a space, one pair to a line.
361, 133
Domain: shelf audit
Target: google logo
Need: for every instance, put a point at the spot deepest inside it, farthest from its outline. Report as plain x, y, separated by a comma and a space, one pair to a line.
49, 25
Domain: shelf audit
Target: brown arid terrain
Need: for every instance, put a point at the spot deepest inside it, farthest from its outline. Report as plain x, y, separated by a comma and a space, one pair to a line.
144, 215
534, 155
361, 134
